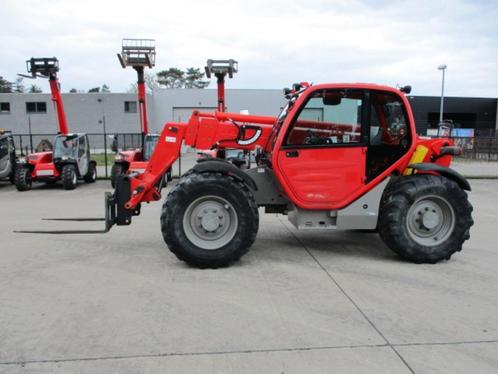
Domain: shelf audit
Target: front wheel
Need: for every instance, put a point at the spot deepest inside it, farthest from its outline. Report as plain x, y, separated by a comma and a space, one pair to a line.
209, 220
425, 218
91, 175
69, 177
22, 178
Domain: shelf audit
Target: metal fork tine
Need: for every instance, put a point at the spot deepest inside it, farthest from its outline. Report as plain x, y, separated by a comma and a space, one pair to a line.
61, 231
82, 219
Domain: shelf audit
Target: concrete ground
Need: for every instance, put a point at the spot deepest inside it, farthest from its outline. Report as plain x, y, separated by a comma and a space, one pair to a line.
316, 302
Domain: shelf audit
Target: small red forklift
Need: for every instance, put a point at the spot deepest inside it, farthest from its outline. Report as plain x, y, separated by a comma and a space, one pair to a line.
70, 158
337, 157
137, 53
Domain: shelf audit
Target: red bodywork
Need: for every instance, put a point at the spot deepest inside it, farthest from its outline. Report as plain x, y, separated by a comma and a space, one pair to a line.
325, 178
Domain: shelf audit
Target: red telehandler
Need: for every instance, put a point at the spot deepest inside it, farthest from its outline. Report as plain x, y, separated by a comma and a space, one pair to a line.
70, 158
338, 156
137, 53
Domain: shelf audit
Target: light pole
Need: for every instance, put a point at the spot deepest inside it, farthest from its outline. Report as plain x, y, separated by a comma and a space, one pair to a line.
443, 68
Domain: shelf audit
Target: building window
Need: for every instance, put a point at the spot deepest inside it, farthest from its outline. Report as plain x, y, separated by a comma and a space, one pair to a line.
4, 108
130, 106
36, 107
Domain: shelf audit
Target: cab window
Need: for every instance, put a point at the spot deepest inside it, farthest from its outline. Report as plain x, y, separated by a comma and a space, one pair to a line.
329, 117
388, 122
81, 147
389, 133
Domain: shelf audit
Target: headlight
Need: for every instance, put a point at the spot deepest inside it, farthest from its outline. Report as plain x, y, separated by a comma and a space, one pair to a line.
118, 158
65, 158
21, 160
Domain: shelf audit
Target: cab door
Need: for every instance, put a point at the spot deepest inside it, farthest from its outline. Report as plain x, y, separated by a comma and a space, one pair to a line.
83, 155
323, 155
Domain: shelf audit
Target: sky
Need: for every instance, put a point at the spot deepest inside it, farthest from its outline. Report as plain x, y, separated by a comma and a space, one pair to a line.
275, 42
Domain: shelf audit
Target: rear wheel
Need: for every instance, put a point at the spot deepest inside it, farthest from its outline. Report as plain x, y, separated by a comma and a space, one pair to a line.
209, 220
91, 175
117, 169
69, 177
22, 178
425, 218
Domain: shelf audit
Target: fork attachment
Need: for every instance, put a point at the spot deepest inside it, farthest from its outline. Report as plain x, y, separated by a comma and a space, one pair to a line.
115, 212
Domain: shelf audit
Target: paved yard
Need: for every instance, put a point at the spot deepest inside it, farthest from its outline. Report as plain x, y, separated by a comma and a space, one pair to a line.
322, 302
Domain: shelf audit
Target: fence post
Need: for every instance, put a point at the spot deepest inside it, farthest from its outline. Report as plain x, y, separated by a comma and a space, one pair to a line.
30, 134
489, 148
105, 146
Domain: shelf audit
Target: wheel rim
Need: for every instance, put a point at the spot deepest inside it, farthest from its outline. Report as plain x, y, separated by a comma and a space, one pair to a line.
210, 222
94, 174
75, 178
430, 220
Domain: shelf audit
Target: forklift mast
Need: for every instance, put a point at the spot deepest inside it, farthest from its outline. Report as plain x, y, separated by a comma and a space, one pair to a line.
139, 53
220, 68
47, 67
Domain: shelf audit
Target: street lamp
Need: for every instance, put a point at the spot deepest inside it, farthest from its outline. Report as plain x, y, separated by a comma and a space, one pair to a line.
442, 68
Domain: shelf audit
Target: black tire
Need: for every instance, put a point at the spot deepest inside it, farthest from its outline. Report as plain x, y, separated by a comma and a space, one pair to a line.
91, 175
69, 177
117, 169
22, 178
402, 216
193, 188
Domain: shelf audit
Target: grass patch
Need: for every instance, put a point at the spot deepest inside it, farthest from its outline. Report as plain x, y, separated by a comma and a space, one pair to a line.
100, 159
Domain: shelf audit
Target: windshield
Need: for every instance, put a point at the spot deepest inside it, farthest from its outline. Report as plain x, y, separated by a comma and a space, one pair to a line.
283, 113
150, 144
66, 146
282, 116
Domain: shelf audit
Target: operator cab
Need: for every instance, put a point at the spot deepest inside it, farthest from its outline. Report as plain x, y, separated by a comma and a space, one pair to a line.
72, 148
7, 154
333, 140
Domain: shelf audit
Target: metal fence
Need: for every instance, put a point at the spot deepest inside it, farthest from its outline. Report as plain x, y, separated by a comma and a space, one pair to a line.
103, 148
478, 148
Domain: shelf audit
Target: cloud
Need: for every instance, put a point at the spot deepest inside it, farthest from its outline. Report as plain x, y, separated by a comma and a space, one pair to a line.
276, 42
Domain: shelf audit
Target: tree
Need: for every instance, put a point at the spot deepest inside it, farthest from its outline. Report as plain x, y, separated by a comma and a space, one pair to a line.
73, 90
5, 86
193, 78
34, 89
18, 85
177, 78
104, 88
171, 78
